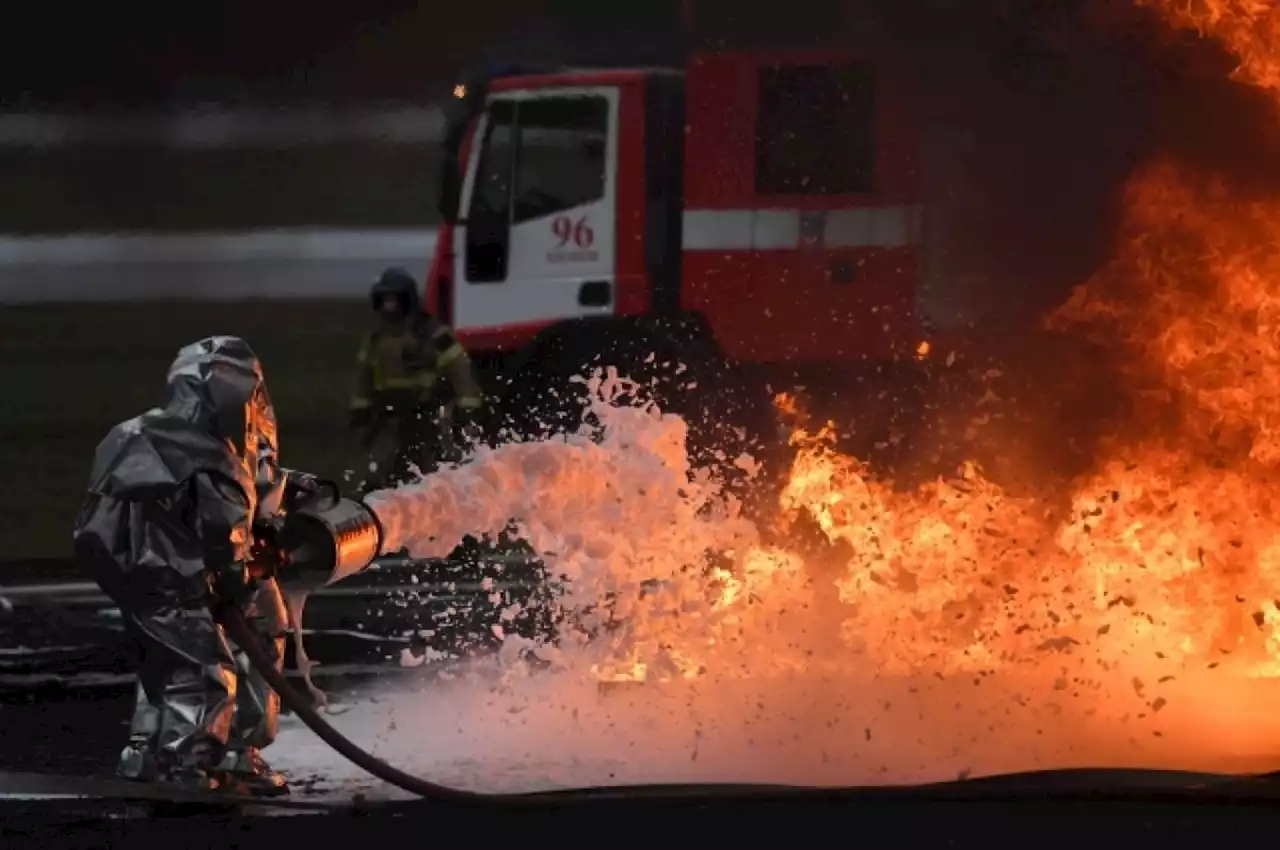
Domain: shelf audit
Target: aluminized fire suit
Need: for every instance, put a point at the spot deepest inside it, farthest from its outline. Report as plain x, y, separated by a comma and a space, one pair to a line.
168, 527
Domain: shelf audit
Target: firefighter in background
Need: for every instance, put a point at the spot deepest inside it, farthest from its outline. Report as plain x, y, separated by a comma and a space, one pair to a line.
167, 530
409, 367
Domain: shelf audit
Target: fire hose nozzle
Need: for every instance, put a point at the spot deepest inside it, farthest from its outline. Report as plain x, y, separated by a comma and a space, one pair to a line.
324, 541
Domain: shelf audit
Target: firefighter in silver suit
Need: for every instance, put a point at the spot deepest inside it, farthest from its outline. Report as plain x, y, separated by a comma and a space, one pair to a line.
166, 529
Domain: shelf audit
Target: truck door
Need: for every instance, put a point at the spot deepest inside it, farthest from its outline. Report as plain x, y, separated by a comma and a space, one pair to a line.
536, 239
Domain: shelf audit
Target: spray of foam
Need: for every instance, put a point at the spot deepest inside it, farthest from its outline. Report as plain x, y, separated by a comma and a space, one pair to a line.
618, 516
747, 676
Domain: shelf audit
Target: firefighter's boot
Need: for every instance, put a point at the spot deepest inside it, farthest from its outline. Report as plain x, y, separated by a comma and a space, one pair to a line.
248, 772
187, 778
140, 765
137, 761
195, 771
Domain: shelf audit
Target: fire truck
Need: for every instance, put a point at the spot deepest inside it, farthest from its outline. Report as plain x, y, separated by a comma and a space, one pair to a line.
748, 224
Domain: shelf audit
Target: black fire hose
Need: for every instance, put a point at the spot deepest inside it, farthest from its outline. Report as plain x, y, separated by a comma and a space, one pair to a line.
233, 620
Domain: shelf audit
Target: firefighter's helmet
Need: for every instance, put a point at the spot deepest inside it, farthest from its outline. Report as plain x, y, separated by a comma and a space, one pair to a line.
397, 282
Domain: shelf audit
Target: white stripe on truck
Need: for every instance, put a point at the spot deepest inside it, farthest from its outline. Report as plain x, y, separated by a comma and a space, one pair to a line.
782, 229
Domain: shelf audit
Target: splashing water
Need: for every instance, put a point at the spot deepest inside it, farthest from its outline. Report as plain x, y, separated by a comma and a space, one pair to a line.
622, 519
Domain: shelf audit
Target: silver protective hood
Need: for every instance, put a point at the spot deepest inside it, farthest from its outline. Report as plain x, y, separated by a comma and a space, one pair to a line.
199, 451
216, 417
217, 385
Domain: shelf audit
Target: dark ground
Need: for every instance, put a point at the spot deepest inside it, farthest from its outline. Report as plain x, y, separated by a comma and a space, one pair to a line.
78, 732
71, 371
954, 824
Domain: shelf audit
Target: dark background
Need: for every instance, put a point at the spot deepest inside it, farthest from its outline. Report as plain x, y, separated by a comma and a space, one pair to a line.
1077, 83
149, 55
134, 55
118, 60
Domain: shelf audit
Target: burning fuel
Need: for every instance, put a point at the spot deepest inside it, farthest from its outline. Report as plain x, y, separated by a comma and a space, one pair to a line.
1126, 614
1249, 29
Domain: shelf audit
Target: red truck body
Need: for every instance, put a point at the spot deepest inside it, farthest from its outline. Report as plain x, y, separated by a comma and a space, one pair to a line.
772, 198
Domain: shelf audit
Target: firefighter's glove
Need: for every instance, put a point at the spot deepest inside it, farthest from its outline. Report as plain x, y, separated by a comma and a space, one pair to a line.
266, 557
233, 585
300, 488
303, 489
267, 567
302, 482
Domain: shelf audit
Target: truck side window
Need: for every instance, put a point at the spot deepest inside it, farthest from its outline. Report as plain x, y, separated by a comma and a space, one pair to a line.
816, 130
561, 159
489, 210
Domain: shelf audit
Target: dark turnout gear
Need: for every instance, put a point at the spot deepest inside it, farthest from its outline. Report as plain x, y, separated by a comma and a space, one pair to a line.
407, 369
166, 529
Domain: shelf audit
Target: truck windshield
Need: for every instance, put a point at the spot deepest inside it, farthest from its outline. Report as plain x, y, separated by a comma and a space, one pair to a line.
560, 163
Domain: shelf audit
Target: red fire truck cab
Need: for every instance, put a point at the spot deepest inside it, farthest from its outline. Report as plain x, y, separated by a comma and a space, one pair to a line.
754, 219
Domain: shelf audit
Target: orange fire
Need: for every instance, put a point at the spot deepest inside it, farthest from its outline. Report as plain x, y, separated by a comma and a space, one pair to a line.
1250, 29
1167, 563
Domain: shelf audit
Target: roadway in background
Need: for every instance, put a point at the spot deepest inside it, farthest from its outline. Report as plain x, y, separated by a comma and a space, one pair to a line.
214, 204
270, 264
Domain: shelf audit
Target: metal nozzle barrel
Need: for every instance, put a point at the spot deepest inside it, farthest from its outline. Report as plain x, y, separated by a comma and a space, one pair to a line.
328, 542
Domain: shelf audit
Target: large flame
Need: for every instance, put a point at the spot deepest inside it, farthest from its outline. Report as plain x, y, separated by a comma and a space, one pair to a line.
1249, 29
1168, 561
1169, 557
